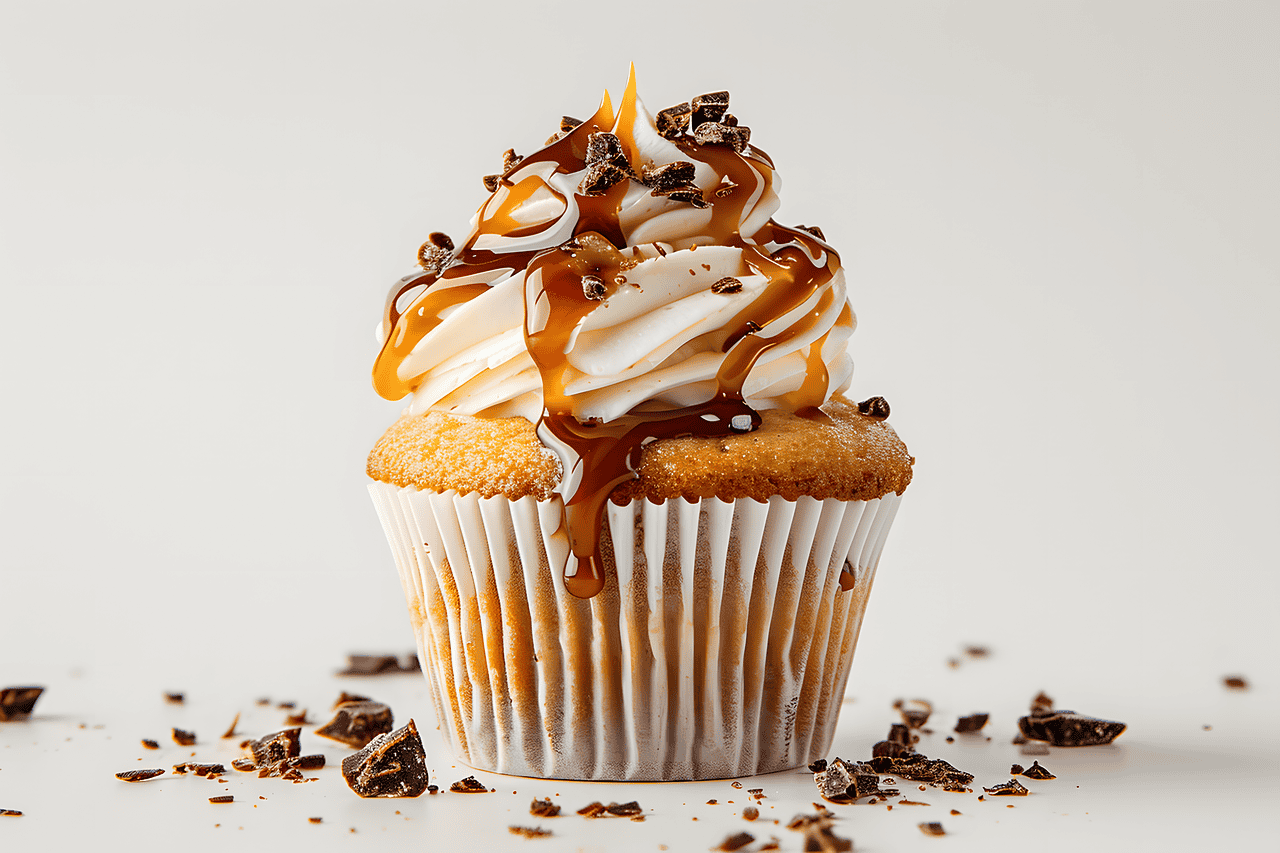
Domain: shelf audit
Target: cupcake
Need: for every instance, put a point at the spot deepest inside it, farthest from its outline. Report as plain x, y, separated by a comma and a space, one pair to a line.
635, 516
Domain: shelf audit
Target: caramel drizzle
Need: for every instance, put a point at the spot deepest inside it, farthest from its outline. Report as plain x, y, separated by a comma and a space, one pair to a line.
555, 305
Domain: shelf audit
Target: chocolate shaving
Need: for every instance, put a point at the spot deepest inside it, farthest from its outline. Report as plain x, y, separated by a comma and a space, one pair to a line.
728, 284
225, 798
971, 723
231, 729
876, 408
714, 133
200, 769
977, 651
814, 230
1067, 728
392, 765
276, 747
244, 765
184, 737
1012, 788
1036, 771
150, 744
1233, 682
674, 121
544, 808
10, 813
469, 785
710, 107
138, 775
932, 828
593, 288
433, 256
918, 768
529, 831
736, 842
175, 698
357, 723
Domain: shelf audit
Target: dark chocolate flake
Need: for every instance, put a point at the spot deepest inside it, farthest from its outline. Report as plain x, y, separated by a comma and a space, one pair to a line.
10, 813
244, 765
1012, 788
728, 284
630, 809
544, 808
1233, 682
17, 703
713, 133
150, 744
736, 842
876, 408
1038, 771
668, 175
674, 121
392, 765
1067, 728
357, 723
750, 813
932, 828
276, 747
175, 698
1016, 770
710, 107
918, 768
469, 785
225, 798
971, 723
529, 831
184, 737
138, 775
231, 729
599, 178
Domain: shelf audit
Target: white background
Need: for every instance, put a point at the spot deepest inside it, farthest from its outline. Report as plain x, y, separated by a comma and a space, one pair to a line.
1059, 222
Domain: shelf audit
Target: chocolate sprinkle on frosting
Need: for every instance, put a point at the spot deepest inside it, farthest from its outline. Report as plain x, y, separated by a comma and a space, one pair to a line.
674, 121
714, 133
392, 765
710, 107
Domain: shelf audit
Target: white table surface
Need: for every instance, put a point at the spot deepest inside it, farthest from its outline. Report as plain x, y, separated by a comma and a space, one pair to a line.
1058, 222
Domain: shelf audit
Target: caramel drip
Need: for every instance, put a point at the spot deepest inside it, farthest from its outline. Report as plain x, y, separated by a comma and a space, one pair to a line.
556, 305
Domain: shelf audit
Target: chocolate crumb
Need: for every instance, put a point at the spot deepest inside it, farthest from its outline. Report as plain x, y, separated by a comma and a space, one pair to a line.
357, 723
276, 747
817, 766
529, 831
814, 230
175, 698
315, 819
876, 408
630, 809
1042, 703
713, 802
183, 737
977, 651
391, 765
594, 809
1233, 682
244, 765
150, 744
231, 729
286, 705
728, 284
736, 842
917, 767
544, 808
225, 798
433, 256
955, 811
750, 813
1016, 770
673, 121
10, 813
593, 288
1012, 788
971, 723
1037, 771
298, 719
138, 775
469, 785
932, 828
710, 107
736, 784
689, 194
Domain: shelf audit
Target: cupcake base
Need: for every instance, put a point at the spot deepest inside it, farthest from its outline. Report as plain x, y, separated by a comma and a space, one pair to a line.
720, 646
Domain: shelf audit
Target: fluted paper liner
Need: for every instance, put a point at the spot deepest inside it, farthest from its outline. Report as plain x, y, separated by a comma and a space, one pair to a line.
719, 647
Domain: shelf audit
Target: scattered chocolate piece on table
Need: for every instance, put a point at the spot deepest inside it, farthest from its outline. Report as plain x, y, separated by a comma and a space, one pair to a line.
529, 831
736, 842
244, 765
275, 747
918, 768
392, 765
231, 729
750, 813
1067, 728
816, 767
184, 737
1037, 771
1012, 788
910, 803
594, 809
10, 813
315, 819
977, 651
932, 828
150, 744
308, 762
138, 775
357, 723
544, 808
630, 809
1016, 770
17, 703
346, 697
818, 835
175, 698
1235, 682
1041, 702
225, 798
971, 723
469, 785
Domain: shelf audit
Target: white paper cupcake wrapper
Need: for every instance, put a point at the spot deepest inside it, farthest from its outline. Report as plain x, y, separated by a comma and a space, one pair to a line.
720, 648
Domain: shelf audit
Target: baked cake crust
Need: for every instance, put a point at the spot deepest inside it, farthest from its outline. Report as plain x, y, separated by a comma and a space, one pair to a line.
845, 455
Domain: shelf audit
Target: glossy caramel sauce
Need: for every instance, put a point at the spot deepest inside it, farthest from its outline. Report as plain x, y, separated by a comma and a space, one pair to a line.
556, 304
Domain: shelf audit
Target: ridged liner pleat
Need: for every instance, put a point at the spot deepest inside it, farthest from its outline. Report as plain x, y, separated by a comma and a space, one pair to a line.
720, 646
